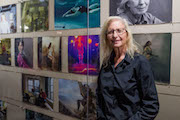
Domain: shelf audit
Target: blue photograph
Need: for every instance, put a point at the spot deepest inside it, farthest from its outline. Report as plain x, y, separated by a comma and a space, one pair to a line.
72, 14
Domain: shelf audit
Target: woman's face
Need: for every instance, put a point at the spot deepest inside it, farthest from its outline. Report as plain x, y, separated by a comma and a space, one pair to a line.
116, 34
138, 6
20, 47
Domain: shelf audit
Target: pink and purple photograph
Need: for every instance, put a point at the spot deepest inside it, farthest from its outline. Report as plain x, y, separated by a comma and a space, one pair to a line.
24, 52
83, 54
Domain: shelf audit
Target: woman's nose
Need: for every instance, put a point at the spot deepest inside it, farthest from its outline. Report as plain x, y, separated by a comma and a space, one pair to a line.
115, 34
141, 1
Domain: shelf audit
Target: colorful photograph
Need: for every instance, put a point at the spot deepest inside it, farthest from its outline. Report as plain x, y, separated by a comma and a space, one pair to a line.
8, 19
24, 52
72, 14
49, 53
34, 15
38, 91
5, 51
83, 54
3, 110
73, 97
142, 11
157, 49
31, 115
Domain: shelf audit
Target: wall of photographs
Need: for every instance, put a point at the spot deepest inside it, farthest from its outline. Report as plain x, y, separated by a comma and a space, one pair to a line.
50, 55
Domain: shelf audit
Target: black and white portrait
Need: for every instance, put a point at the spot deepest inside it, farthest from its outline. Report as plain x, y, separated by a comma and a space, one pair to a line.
142, 11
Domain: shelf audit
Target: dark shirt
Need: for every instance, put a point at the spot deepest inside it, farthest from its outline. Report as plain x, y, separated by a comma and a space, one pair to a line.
128, 91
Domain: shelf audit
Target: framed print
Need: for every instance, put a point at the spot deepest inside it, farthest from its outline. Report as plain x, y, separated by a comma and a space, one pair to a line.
38, 91
157, 49
34, 15
8, 19
24, 52
73, 99
72, 14
83, 54
5, 51
49, 53
142, 11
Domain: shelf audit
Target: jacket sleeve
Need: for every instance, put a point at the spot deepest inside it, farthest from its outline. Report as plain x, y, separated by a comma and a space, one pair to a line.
148, 94
99, 101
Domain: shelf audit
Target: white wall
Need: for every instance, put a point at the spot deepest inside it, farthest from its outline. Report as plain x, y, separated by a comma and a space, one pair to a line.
10, 76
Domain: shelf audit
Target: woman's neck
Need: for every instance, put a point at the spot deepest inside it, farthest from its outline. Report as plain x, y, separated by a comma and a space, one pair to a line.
120, 55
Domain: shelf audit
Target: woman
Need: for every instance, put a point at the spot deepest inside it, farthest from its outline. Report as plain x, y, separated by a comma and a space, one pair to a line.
21, 58
135, 12
126, 88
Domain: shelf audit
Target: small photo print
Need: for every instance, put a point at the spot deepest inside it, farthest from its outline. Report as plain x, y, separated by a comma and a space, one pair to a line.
73, 99
5, 51
157, 49
38, 91
3, 110
83, 54
142, 11
8, 19
31, 115
49, 53
24, 52
34, 15
72, 14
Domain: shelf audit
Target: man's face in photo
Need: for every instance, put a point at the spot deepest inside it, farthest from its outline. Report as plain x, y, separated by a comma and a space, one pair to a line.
138, 6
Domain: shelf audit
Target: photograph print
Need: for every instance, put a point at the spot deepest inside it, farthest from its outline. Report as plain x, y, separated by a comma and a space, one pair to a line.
83, 54
142, 11
157, 49
73, 99
24, 52
38, 91
72, 14
49, 53
34, 15
8, 19
5, 51
31, 115
3, 110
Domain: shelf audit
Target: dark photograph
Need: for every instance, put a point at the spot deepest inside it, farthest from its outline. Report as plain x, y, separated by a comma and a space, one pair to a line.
157, 49
31, 115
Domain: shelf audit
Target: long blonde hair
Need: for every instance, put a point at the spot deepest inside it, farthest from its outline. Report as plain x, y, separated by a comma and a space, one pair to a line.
107, 48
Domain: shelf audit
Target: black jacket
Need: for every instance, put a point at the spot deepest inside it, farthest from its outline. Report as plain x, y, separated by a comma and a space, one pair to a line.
128, 91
